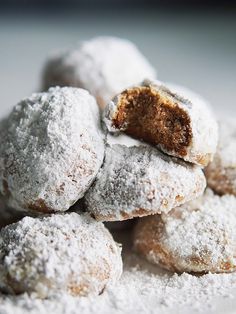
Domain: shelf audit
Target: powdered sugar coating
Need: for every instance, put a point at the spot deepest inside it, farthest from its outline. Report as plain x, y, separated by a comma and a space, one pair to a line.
190, 94
102, 65
142, 289
204, 127
196, 237
221, 172
51, 151
7, 215
136, 181
63, 252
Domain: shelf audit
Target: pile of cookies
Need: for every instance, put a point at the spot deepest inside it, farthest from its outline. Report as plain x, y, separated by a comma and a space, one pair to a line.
106, 136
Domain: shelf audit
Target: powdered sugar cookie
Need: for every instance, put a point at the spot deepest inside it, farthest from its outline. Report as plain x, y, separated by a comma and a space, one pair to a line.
196, 237
221, 172
138, 180
155, 114
71, 253
51, 151
102, 65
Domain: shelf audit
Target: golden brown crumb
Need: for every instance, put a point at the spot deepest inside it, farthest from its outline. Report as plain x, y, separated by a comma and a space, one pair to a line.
153, 116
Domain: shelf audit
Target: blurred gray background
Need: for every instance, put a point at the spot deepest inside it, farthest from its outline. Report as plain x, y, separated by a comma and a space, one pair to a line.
191, 43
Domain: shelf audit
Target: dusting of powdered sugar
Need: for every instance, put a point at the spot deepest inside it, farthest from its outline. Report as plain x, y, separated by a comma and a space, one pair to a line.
62, 252
204, 126
103, 65
198, 236
143, 288
189, 94
139, 181
51, 150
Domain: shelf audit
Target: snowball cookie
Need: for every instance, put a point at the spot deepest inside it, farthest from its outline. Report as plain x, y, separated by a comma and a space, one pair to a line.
62, 252
221, 173
52, 150
137, 181
153, 113
196, 237
102, 65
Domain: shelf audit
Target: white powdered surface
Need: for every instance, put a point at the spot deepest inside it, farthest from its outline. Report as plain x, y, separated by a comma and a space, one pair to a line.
198, 236
51, 150
143, 288
62, 252
189, 94
208, 224
139, 180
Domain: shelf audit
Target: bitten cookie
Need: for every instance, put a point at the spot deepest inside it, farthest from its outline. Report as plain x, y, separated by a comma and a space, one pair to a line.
137, 180
102, 65
221, 172
196, 237
64, 252
51, 151
153, 113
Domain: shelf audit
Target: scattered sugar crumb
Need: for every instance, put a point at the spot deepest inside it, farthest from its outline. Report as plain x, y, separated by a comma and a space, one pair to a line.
143, 288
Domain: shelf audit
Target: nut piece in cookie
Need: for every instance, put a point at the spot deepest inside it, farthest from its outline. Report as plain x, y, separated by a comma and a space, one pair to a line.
103, 65
153, 113
51, 150
137, 180
221, 172
199, 236
58, 253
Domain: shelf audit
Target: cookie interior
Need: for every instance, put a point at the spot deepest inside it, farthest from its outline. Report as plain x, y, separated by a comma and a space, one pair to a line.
154, 116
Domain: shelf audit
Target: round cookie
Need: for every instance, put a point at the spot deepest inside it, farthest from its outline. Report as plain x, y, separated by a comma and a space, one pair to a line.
63, 252
199, 236
221, 172
102, 65
138, 180
153, 113
51, 151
